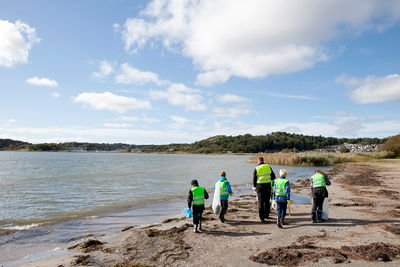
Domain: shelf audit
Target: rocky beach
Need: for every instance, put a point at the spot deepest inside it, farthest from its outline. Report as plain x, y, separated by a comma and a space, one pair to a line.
363, 229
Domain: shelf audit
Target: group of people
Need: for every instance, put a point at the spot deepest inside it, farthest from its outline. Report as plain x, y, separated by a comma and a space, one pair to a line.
267, 186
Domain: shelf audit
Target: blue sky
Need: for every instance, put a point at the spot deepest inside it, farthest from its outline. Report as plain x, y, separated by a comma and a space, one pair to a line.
154, 72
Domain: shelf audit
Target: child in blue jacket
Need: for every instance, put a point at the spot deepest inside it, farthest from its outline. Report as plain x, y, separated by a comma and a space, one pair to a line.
225, 191
281, 190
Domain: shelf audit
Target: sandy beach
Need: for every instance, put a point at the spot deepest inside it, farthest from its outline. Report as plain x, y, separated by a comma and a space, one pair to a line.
363, 229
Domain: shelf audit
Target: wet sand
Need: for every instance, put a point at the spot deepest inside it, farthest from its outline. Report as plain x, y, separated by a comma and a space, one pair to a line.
363, 229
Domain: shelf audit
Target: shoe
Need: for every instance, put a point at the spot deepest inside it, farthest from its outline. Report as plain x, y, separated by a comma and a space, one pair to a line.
195, 228
222, 219
283, 221
313, 217
200, 227
278, 222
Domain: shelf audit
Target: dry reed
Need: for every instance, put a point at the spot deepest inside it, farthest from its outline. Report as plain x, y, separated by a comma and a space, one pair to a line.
315, 158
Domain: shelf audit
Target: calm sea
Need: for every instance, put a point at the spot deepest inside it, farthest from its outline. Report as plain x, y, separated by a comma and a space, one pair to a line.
50, 199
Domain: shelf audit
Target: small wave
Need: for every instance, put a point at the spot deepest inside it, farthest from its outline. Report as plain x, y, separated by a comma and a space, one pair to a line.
22, 227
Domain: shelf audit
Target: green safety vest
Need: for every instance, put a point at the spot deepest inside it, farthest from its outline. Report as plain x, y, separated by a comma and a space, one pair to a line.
280, 187
263, 174
223, 191
318, 180
198, 195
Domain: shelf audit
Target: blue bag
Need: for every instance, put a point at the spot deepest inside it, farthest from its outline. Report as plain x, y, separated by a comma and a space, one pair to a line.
188, 213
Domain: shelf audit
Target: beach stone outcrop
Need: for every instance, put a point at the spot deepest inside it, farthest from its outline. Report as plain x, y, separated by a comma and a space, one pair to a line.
88, 245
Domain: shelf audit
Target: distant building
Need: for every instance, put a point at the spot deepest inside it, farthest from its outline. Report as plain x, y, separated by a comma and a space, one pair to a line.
351, 147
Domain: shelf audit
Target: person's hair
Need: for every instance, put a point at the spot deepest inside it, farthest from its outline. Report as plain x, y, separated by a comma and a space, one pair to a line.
282, 172
222, 173
319, 171
194, 182
260, 159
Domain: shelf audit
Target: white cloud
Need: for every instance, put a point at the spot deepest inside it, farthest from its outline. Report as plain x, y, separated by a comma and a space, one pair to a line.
179, 119
42, 82
184, 123
373, 89
15, 43
231, 98
130, 75
348, 127
336, 114
105, 69
210, 78
179, 95
55, 95
254, 39
12, 121
144, 118
110, 101
230, 112
179, 122
292, 96
117, 125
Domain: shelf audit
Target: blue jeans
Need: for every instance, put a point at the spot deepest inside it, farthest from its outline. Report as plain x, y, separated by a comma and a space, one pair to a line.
281, 209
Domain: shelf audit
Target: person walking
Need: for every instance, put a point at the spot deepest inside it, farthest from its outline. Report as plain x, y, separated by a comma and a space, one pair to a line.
262, 178
197, 196
225, 192
281, 190
318, 184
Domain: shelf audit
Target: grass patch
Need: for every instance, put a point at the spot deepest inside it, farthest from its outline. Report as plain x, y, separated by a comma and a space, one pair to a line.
317, 158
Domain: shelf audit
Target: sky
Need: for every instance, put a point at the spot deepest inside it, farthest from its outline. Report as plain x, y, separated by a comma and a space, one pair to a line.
179, 71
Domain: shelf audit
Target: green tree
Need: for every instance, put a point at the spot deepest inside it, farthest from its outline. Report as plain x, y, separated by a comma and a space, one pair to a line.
392, 145
344, 149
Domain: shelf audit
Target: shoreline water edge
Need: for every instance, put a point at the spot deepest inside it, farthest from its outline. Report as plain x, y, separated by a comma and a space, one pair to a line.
65, 233
31, 237
363, 229
356, 220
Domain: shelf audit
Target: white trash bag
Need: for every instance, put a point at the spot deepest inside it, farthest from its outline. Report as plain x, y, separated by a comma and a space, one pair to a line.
325, 210
273, 205
216, 205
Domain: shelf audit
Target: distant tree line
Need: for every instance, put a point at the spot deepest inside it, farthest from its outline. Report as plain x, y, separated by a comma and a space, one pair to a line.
6, 143
247, 143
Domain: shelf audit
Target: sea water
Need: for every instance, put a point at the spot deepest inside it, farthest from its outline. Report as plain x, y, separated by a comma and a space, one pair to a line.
50, 199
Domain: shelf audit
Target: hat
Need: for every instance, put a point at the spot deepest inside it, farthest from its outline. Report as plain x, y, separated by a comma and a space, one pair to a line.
194, 182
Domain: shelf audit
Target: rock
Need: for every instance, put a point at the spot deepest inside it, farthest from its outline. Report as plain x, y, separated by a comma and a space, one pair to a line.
80, 260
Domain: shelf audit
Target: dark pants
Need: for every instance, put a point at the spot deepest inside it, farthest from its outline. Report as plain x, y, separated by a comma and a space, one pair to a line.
316, 210
281, 209
263, 195
197, 211
224, 208
317, 204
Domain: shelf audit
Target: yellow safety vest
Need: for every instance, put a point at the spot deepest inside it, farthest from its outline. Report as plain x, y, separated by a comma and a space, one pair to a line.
280, 187
263, 174
223, 191
318, 180
198, 195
